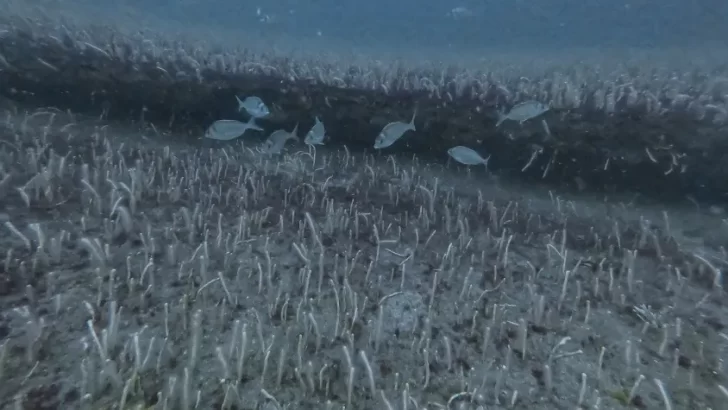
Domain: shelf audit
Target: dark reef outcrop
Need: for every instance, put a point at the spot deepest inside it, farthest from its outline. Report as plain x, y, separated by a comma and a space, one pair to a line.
657, 131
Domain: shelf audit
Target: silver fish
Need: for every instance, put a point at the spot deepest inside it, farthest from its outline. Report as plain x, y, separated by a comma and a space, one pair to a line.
277, 140
316, 135
467, 156
254, 106
225, 130
394, 131
523, 112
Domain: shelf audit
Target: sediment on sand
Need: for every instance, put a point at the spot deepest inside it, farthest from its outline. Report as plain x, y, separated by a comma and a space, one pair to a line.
629, 125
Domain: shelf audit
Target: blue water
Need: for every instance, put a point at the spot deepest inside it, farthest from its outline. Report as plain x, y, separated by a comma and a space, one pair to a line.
491, 23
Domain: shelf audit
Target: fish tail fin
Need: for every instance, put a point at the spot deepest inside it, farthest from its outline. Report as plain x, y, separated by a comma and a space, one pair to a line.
414, 115
501, 117
252, 125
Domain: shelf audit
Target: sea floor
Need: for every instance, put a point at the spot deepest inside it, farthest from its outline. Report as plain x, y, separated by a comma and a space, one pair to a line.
146, 270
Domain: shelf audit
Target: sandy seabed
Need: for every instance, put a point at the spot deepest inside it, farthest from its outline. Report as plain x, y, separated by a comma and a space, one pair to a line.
139, 271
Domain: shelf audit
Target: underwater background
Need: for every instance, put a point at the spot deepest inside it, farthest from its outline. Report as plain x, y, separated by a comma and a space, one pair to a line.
350, 205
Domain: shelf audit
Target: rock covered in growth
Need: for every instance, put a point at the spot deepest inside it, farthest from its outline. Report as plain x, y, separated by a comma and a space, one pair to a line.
617, 121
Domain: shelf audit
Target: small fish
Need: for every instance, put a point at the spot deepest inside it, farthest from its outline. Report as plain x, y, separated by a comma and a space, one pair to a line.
523, 112
225, 130
277, 140
253, 106
394, 131
316, 135
467, 156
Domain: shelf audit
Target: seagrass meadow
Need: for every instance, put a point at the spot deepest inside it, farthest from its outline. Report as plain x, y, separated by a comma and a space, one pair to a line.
143, 267
647, 120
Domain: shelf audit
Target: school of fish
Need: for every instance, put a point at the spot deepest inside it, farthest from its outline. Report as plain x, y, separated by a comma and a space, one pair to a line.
255, 107
277, 140
316, 134
225, 130
394, 131
523, 112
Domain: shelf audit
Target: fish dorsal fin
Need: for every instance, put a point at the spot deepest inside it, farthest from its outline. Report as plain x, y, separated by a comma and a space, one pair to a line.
414, 115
